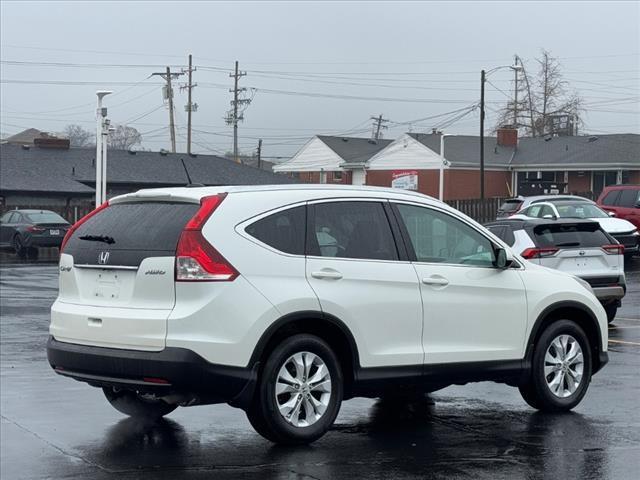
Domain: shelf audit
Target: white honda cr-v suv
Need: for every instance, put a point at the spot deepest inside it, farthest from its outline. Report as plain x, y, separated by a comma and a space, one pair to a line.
284, 301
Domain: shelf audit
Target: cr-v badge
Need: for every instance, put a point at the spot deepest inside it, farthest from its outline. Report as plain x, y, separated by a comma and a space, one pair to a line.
103, 258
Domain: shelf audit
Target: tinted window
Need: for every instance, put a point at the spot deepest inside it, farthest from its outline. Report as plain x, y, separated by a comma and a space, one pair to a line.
45, 217
139, 230
570, 235
351, 230
504, 233
5, 217
628, 198
510, 205
439, 238
283, 230
610, 198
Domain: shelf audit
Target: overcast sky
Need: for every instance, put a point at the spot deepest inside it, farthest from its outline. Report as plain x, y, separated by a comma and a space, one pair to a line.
306, 62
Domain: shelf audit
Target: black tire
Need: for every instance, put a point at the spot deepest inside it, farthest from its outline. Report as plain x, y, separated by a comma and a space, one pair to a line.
612, 310
263, 413
536, 392
32, 253
19, 247
133, 405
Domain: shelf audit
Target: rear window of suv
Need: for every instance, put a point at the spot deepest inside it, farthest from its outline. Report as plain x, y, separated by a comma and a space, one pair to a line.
510, 205
284, 230
585, 235
138, 230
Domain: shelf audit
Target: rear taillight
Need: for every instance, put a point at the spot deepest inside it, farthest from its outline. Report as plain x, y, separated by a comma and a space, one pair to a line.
530, 253
35, 229
75, 226
196, 259
613, 249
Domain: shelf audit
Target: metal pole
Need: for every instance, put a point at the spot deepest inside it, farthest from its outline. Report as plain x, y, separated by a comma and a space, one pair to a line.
442, 161
189, 110
515, 95
105, 142
482, 80
99, 151
235, 115
260, 153
172, 126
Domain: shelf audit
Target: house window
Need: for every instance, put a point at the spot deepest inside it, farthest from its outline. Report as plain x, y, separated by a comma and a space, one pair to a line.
337, 176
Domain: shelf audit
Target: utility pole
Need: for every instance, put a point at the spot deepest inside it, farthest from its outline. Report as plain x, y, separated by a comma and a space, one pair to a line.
260, 153
102, 133
234, 116
482, 80
167, 75
378, 123
189, 107
515, 94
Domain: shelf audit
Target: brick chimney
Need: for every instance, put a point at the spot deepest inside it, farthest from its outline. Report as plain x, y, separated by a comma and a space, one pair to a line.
507, 137
52, 142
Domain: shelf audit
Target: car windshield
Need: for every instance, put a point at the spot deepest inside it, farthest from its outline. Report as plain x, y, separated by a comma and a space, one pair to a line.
45, 217
580, 210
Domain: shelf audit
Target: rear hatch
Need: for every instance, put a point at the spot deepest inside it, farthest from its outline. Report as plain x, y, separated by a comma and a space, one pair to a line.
582, 249
509, 207
117, 275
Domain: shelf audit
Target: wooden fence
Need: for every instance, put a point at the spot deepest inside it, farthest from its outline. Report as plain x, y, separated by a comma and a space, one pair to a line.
481, 211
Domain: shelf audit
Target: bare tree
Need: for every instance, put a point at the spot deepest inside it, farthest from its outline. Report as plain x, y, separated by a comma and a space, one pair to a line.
78, 136
124, 137
545, 103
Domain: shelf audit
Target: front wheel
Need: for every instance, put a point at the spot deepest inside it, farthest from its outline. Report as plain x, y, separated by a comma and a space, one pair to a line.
18, 246
137, 406
611, 310
299, 392
560, 368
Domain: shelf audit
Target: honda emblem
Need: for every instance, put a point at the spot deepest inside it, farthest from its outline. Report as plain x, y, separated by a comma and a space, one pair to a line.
103, 258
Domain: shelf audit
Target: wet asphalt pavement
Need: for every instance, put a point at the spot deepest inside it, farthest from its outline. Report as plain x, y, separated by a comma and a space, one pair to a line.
54, 427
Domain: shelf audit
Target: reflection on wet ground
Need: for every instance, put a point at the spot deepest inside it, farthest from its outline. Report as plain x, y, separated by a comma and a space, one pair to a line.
53, 427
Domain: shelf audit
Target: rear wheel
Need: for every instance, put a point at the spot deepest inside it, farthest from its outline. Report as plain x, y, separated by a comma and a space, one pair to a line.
18, 246
299, 392
611, 310
560, 368
135, 405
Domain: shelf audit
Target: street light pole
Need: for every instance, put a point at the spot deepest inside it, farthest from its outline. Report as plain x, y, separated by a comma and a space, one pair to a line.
101, 154
482, 81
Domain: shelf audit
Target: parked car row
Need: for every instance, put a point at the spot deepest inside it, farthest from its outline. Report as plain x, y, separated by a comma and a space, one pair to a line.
617, 211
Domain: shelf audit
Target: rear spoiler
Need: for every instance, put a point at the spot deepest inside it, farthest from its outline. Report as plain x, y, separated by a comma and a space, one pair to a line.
153, 196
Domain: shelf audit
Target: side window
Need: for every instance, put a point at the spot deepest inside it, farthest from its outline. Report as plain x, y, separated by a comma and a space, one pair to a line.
440, 238
504, 233
627, 198
5, 217
284, 230
546, 210
611, 197
351, 230
534, 211
16, 218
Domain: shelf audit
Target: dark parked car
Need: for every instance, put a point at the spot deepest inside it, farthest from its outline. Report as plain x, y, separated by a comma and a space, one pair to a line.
623, 200
26, 230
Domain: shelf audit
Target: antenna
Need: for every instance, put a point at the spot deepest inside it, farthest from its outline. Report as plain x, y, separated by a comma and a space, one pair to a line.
190, 184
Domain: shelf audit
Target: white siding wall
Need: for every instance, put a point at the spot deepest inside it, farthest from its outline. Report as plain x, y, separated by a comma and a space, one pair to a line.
313, 157
405, 153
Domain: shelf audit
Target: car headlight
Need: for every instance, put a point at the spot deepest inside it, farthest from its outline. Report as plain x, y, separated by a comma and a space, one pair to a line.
585, 284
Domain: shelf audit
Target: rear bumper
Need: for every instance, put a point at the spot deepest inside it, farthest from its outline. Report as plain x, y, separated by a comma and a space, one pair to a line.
609, 293
33, 241
185, 372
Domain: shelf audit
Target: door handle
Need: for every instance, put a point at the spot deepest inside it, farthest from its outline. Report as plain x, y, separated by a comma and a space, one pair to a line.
329, 274
437, 281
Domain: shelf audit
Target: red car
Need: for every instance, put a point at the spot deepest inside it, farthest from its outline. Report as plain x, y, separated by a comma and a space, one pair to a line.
623, 200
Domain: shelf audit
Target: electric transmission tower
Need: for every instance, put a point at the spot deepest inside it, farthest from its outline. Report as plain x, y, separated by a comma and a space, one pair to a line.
236, 114
167, 94
378, 124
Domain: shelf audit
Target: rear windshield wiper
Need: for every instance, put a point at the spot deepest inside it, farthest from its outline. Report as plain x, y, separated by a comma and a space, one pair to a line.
98, 238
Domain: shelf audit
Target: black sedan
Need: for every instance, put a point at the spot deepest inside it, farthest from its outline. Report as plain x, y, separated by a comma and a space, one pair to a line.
25, 230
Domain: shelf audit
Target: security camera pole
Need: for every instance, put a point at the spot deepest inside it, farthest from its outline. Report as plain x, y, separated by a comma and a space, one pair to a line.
102, 131
443, 163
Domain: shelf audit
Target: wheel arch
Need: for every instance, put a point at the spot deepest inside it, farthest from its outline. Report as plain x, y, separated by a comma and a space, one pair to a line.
569, 310
331, 329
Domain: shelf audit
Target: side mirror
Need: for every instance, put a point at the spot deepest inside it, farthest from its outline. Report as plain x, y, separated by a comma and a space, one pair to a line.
549, 217
504, 259
612, 214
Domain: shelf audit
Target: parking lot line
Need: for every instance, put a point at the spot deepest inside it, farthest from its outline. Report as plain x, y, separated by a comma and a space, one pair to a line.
624, 343
620, 328
628, 319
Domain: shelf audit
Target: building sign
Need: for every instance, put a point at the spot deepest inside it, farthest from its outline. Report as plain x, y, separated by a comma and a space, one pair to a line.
405, 179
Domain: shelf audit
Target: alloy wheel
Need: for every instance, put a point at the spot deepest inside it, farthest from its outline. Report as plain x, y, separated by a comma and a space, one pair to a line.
563, 366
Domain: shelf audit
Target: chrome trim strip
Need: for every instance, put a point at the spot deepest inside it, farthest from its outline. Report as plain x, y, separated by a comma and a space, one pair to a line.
107, 267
